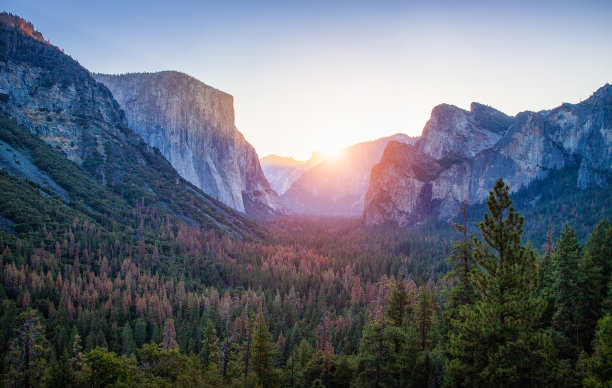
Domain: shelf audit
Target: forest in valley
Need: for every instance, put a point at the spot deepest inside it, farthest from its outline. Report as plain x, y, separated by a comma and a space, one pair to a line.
315, 302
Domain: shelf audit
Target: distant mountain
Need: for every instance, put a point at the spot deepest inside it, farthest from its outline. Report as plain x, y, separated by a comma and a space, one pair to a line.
192, 124
45, 93
462, 153
281, 171
337, 186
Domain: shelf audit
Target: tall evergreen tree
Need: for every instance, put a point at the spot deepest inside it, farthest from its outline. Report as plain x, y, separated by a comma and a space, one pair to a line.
461, 263
209, 352
497, 343
386, 357
425, 316
590, 291
546, 278
27, 353
398, 303
566, 294
595, 284
262, 350
599, 247
128, 346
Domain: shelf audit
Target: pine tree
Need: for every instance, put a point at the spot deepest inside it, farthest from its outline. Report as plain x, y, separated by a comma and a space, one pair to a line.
425, 311
128, 346
461, 266
27, 352
599, 248
566, 257
76, 356
398, 303
210, 345
497, 344
386, 357
595, 284
590, 290
140, 332
262, 352
547, 277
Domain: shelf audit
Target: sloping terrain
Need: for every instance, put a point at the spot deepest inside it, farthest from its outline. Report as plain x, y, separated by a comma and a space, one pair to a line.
470, 150
48, 94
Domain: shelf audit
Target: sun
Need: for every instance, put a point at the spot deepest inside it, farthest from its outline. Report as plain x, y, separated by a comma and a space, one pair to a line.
331, 147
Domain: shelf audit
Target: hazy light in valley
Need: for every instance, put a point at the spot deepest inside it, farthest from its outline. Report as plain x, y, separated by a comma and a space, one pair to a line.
322, 75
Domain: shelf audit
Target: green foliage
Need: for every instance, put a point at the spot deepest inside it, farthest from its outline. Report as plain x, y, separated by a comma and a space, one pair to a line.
210, 345
386, 356
262, 350
425, 318
104, 368
398, 303
27, 353
554, 201
497, 342
565, 292
461, 265
599, 366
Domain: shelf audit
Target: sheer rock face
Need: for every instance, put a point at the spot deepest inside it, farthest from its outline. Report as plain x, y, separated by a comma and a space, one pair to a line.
51, 95
453, 132
337, 186
410, 172
466, 152
192, 124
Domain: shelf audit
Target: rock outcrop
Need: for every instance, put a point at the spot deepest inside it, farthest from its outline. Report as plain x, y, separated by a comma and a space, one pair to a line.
465, 152
192, 124
52, 96
338, 185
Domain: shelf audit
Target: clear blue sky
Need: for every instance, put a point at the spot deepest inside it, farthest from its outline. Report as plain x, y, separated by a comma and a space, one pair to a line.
317, 75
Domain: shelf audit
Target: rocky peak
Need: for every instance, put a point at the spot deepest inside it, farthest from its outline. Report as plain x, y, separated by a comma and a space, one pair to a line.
16, 25
50, 95
192, 124
452, 132
490, 118
601, 97
468, 151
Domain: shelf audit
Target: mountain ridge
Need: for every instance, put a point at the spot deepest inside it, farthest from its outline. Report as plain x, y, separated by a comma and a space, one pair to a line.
51, 96
193, 126
477, 148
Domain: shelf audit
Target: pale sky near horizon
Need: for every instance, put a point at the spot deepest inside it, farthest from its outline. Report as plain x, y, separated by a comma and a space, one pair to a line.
320, 75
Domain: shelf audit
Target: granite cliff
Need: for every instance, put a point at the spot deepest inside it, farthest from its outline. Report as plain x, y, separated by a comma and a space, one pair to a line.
192, 124
462, 153
53, 97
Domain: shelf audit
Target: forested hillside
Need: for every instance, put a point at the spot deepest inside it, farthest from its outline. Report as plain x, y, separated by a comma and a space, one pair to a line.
318, 303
